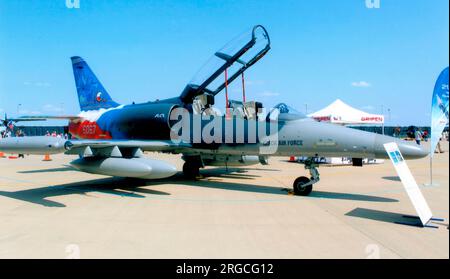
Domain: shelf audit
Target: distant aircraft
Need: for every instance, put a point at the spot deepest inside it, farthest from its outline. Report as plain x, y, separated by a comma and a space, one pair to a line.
9, 123
111, 138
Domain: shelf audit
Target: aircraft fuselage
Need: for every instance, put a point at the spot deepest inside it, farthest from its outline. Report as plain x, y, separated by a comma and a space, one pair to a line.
234, 135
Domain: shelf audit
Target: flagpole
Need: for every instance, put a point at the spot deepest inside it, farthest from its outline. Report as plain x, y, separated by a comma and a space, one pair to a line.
431, 170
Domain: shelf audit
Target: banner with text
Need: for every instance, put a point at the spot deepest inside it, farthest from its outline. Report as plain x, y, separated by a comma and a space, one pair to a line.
439, 109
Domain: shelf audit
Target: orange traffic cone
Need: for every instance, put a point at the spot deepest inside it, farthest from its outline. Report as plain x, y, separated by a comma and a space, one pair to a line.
47, 158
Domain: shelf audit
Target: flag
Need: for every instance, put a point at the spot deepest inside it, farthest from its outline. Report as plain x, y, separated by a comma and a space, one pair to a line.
439, 109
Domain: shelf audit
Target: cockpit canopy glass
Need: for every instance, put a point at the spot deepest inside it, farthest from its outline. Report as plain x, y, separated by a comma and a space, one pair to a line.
283, 112
228, 63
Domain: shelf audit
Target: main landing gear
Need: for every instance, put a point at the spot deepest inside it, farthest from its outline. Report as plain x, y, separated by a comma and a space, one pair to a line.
191, 168
303, 186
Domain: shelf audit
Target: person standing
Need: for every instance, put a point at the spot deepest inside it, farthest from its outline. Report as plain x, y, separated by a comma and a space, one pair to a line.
425, 135
418, 136
397, 132
438, 146
21, 134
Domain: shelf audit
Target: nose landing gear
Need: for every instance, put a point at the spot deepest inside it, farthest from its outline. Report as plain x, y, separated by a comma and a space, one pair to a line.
303, 186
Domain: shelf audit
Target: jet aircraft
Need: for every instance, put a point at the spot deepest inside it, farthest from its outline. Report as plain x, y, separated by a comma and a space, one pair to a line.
111, 138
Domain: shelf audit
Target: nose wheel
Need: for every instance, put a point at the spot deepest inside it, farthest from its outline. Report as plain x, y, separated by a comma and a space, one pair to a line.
303, 186
299, 186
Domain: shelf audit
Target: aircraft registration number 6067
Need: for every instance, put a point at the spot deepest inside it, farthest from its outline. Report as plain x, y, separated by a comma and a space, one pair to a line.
89, 129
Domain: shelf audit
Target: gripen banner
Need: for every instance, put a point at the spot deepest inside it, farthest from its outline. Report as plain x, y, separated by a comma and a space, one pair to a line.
439, 109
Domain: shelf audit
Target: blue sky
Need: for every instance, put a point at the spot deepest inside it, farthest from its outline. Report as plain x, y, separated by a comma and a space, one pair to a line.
143, 50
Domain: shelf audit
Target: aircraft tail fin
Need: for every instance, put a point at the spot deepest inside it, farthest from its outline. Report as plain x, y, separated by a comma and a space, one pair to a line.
91, 93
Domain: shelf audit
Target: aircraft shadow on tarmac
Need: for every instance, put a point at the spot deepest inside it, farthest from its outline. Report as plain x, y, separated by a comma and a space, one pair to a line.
114, 186
65, 168
134, 188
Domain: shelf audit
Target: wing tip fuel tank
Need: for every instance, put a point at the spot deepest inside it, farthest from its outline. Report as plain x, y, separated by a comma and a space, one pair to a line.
409, 150
40, 145
121, 167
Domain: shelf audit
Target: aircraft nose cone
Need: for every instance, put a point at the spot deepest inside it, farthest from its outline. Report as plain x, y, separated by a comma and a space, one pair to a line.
411, 150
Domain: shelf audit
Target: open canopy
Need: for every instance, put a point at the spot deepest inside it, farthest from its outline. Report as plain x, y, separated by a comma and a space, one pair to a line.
340, 113
228, 63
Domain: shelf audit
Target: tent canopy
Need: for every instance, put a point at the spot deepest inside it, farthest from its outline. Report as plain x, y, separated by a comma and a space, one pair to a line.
340, 113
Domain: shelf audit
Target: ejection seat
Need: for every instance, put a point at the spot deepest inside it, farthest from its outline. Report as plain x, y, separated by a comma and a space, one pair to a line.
204, 104
245, 110
252, 109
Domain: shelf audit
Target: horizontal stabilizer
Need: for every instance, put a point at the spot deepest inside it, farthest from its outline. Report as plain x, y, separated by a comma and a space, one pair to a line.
46, 117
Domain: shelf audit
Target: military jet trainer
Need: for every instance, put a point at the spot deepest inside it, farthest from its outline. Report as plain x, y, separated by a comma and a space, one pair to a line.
111, 139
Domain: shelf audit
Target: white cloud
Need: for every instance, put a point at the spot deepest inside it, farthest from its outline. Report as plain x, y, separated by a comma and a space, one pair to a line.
29, 112
361, 84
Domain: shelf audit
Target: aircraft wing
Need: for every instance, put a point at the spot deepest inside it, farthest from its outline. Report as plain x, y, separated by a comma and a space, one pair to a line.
7, 120
25, 119
112, 147
45, 117
41, 145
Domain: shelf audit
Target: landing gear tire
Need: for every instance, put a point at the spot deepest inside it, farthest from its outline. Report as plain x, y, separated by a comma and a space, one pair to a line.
301, 190
191, 171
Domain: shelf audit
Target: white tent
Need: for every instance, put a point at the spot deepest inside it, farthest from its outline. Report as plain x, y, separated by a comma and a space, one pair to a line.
340, 113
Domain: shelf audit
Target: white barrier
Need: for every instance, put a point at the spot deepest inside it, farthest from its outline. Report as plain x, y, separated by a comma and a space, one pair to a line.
410, 184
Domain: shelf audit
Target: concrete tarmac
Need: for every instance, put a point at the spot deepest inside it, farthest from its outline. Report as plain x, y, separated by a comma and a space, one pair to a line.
48, 210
